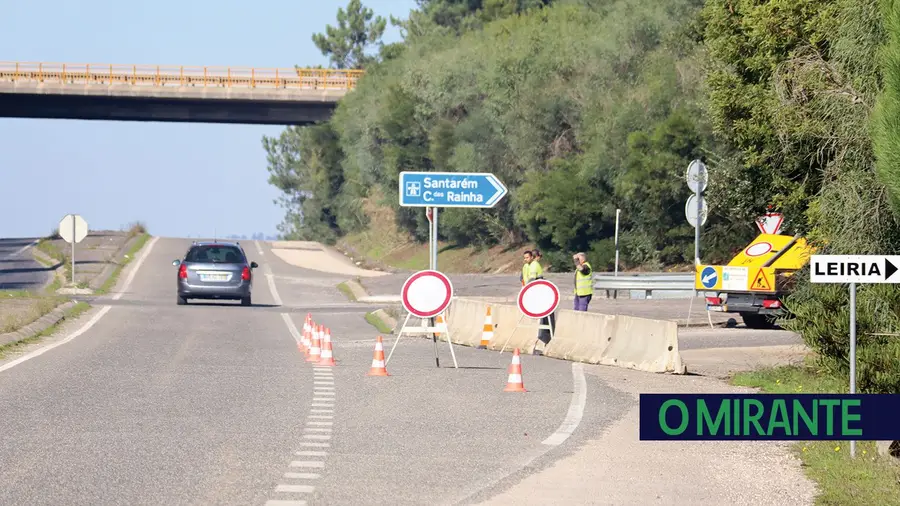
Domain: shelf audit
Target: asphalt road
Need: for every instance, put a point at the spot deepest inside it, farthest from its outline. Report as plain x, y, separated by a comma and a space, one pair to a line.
213, 404
18, 270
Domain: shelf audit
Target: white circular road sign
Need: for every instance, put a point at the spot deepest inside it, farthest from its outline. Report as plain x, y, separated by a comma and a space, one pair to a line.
538, 299
427, 293
690, 210
697, 176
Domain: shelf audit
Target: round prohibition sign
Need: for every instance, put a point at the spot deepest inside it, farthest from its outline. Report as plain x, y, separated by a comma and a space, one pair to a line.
426, 293
538, 299
758, 249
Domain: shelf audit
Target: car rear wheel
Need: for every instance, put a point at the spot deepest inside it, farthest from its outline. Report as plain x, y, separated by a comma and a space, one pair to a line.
246, 301
182, 300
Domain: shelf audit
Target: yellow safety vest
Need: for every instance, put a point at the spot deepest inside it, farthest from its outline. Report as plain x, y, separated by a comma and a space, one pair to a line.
584, 284
537, 270
526, 269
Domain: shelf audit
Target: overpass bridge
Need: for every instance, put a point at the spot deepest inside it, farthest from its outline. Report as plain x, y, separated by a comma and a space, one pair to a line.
262, 96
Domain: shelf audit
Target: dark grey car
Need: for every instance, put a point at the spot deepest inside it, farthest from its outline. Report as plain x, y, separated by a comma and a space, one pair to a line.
215, 270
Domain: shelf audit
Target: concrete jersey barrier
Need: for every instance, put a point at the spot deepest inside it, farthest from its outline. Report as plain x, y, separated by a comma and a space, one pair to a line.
593, 338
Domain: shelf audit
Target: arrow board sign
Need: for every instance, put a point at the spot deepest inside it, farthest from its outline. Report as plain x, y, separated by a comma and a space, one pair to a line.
854, 269
538, 299
450, 189
426, 293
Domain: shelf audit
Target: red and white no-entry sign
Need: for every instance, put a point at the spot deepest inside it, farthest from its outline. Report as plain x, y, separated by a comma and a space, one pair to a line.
427, 293
538, 299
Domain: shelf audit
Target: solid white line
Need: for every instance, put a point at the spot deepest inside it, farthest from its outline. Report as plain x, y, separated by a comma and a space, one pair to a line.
322, 392
145, 252
323, 383
49, 347
314, 422
297, 489
323, 437
310, 453
308, 463
322, 411
23, 248
576, 408
291, 327
316, 445
318, 429
271, 280
325, 417
321, 404
277, 502
302, 476
259, 249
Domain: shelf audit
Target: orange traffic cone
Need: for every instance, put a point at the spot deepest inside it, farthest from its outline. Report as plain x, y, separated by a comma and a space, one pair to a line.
487, 334
514, 383
316, 348
378, 368
327, 352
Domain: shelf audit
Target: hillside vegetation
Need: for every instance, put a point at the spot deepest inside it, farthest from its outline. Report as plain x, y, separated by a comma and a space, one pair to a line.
585, 106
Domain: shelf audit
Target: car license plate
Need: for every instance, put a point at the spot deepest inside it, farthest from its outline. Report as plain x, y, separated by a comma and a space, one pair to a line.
213, 277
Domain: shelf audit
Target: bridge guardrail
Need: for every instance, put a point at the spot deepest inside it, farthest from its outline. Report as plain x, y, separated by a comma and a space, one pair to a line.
179, 75
645, 282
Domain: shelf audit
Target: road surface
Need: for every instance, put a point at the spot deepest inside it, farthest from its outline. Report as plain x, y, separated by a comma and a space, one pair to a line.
145, 402
18, 269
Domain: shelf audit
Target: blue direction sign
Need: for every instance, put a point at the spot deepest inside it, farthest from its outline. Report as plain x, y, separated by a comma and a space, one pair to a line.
450, 189
708, 277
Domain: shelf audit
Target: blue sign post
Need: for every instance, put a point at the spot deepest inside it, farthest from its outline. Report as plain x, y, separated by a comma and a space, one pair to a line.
450, 189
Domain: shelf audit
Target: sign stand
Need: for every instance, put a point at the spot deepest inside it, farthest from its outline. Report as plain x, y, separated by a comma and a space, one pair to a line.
853, 269
425, 295
536, 300
73, 229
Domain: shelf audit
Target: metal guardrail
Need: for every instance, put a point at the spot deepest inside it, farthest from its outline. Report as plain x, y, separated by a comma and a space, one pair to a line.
645, 282
163, 75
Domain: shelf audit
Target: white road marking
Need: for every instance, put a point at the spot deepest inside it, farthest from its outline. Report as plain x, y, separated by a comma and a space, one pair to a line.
323, 383
316, 445
576, 408
314, 422
322, 411
267, 271
145, 252
49, 347
308, 463
23, 248
311, 453
259, 248
276, 502
322, 405
291, 327
317, 429
297, 489
323, 437
322, 392
302, 476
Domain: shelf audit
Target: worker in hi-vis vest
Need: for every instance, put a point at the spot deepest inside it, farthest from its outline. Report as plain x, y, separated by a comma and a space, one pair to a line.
525, 276
584, 286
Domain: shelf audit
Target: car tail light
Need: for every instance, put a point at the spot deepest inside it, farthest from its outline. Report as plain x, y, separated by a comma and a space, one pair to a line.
245, 274
182, 271
771, 303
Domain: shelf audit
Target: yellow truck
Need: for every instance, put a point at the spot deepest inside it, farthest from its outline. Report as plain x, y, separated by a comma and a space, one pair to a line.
753, 283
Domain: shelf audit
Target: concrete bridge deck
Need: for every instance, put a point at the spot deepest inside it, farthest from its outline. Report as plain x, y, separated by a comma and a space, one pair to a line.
167, 93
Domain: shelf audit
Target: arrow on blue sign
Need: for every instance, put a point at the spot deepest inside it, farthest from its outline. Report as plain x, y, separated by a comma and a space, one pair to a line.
708, 277
450, 189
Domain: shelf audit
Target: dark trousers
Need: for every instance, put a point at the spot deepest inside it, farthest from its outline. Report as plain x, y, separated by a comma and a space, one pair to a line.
582, 301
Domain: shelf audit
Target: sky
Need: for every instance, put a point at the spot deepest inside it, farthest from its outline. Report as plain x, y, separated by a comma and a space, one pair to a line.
180, 179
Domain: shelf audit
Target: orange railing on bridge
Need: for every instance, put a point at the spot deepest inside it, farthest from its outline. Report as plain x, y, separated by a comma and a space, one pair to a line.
169, 75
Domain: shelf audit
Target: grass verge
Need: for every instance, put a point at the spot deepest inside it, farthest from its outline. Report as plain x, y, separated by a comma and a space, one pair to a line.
345, 289
379, 324
129, 256
36, 306
73, 312
869, 479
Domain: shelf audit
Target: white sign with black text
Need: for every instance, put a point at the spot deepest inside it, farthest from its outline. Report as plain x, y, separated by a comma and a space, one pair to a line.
866, 269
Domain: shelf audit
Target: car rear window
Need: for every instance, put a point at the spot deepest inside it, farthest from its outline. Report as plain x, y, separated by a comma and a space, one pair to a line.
215, 254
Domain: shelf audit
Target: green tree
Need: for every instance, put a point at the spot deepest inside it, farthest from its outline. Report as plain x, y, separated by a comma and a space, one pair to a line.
357, 29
